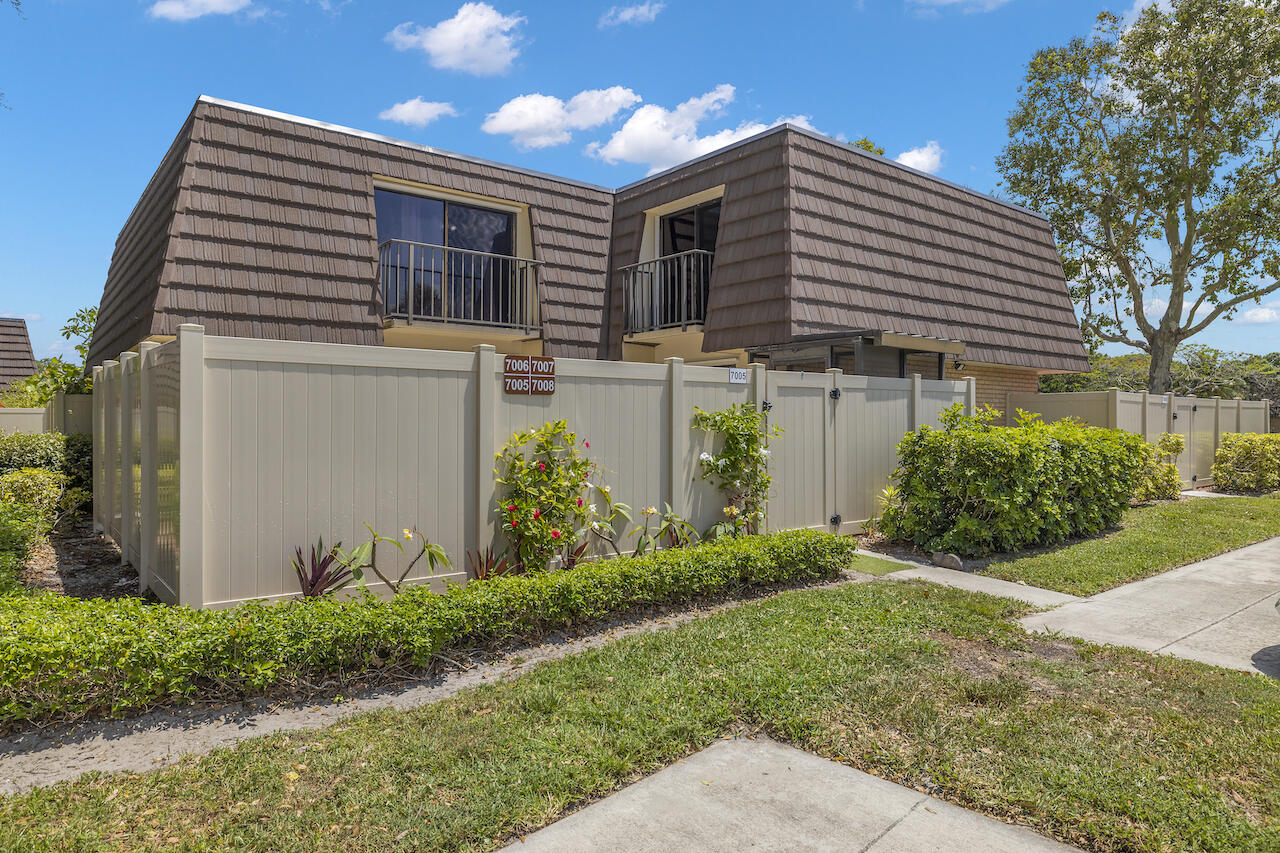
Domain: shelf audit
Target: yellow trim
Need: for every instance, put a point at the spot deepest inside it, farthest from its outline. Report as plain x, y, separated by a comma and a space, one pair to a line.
649, 240
458, 338
913, 343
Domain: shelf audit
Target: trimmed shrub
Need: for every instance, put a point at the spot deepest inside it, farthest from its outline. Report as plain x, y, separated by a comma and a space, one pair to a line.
40, 450
78, 461
62, 658
1247, 462
19, 527
972, 488
38, 489
1160, 480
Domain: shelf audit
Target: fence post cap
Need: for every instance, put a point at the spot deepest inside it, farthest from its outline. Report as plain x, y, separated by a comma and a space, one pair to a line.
127, 355
146, 345
673, 359
837, 371
483, 348
191, 329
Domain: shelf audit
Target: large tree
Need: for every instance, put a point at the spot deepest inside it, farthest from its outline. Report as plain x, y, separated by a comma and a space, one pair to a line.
1152, 146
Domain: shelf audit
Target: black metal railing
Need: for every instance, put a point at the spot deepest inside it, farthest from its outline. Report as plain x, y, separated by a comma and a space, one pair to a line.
424, 282
667, 292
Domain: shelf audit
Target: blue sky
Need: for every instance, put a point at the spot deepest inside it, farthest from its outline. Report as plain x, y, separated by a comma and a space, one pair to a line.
96, 90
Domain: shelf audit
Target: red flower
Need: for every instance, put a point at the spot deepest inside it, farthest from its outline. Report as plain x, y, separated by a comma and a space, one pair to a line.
515, 522
579, 501
586, 444
542, 466
511, 508
555, 534
537, 513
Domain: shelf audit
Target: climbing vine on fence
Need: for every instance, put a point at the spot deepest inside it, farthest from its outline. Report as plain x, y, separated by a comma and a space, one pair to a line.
740, 466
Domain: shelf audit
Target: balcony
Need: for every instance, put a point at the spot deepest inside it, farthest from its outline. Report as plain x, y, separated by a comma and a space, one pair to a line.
425, 283
668, 292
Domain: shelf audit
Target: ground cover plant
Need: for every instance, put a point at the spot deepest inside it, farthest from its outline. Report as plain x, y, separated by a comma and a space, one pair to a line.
1150, 540
62, 658
972, 488
933, 688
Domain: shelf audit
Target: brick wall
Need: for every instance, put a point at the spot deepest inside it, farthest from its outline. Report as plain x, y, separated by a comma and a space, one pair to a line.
994, 382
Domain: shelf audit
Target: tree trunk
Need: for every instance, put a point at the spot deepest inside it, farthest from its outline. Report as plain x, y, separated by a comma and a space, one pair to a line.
1160, 374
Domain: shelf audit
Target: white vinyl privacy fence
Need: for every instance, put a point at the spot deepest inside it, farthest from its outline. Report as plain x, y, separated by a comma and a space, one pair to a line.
65, 413
215, 457
1201, 421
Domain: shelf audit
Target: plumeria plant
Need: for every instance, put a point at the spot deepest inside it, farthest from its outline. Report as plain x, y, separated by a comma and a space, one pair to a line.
603, 526
740, 468
365, 556
543, 483
673, 531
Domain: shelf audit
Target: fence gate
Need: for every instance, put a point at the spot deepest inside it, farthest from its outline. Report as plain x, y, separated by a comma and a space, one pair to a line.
803, 459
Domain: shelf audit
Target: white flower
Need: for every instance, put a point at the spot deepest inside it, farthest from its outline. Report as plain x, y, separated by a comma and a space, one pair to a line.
737, 484
591, 508
604, 489
765, 453
721, 462
706, 457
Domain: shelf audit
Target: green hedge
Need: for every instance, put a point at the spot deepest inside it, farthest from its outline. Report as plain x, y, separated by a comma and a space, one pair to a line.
28, 450
62, 658
1247, 462
972, 489
68, 454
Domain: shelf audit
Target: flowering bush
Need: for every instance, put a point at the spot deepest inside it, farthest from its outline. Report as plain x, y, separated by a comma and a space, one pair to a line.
740, 469
543, 488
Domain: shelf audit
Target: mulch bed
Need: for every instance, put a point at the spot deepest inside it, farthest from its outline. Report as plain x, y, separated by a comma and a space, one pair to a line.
79, 562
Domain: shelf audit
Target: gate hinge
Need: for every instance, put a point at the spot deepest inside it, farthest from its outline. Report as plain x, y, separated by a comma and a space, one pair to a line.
836, 519
766, 406
1195, 408
1175, 416
834, 394
1195, 477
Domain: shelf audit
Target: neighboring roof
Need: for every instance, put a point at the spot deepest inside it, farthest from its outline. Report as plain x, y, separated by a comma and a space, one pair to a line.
17, 362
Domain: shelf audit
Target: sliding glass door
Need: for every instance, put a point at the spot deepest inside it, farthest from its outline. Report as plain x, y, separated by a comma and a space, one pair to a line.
445, 260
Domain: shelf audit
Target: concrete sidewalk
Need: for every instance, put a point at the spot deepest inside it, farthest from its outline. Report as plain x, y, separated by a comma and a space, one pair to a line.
760, 795
1220, 611
1032, 595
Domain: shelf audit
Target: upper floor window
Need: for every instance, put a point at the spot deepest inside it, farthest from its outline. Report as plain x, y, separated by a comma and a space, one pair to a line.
435, 222
693, 228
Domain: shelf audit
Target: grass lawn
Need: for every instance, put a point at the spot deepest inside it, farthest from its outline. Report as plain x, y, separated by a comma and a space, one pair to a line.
875, 565
931, 687
1151, 540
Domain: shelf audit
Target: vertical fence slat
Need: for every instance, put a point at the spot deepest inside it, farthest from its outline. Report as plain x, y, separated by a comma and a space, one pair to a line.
191, 465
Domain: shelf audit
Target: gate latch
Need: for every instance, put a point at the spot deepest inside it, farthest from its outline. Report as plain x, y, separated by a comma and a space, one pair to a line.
836, 519
834, 394
766, 406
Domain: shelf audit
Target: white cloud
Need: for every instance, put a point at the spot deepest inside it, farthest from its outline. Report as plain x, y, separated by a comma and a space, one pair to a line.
932, 7
186, 10
926, 158
660, 138
478, 40
641, 13
15, 315
1258, 316
417, 112
540, 121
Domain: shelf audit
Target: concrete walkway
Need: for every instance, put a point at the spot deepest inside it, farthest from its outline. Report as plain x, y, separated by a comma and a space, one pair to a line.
760, 795
1220, 611
981, 583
